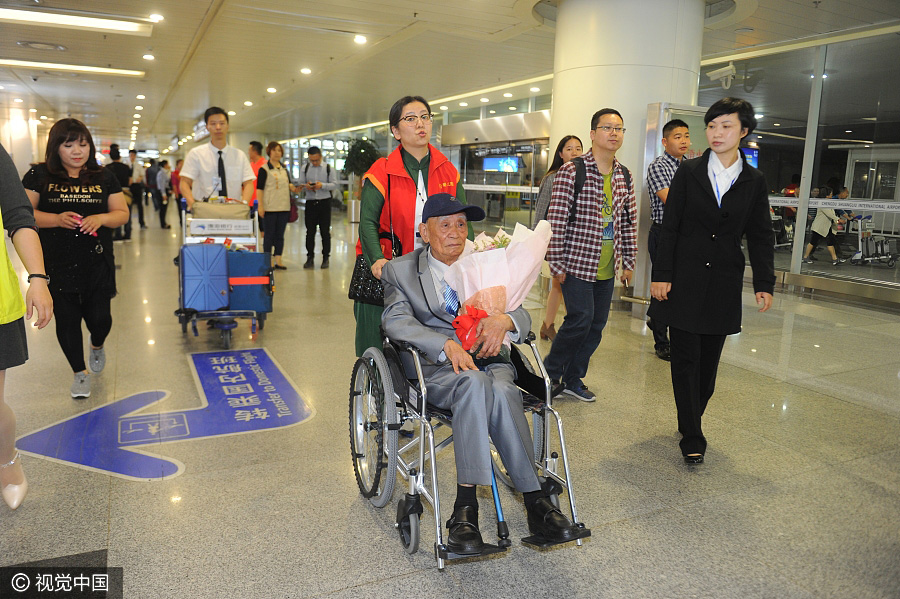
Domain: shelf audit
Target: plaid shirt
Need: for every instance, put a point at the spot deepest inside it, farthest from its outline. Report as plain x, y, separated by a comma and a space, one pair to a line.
575, 250
659, 177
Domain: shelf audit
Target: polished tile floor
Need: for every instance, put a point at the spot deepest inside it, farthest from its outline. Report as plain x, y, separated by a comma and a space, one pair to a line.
799, 496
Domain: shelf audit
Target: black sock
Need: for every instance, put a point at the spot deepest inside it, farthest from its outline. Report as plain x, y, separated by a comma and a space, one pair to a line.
466, 496
531, 497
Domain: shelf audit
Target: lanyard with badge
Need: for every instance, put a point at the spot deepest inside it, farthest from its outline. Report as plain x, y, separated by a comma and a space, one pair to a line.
421, 198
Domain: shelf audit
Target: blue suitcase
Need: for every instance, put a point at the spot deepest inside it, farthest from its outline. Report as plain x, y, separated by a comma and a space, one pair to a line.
252, 281
204, 277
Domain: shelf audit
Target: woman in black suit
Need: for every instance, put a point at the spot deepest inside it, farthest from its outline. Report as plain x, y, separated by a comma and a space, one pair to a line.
698, 275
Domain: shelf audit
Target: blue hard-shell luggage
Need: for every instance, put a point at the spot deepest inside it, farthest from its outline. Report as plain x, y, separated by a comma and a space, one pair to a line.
251, 280
203, 270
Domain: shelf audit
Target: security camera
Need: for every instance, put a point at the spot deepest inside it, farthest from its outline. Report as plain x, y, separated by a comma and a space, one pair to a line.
725, 75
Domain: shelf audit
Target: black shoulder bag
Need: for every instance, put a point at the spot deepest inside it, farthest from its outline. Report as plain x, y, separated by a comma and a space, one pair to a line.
364, 287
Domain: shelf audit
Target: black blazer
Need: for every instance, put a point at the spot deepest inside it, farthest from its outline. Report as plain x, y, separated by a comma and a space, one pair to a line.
699, 249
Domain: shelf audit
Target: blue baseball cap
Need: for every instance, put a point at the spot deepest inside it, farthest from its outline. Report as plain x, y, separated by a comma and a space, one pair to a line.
444, 204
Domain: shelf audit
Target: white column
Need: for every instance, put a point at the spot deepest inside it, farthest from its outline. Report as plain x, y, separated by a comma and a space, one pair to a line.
623, 54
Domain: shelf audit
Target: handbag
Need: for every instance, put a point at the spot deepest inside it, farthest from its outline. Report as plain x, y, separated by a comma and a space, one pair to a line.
364, 287
295, 212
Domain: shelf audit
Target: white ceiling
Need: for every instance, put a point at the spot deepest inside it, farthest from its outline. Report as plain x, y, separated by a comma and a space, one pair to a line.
225, 52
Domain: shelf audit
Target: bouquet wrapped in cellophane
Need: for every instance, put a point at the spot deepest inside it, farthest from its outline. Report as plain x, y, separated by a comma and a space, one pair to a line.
494, 275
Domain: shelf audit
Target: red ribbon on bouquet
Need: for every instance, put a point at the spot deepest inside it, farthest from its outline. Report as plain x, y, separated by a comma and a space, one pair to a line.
466, 326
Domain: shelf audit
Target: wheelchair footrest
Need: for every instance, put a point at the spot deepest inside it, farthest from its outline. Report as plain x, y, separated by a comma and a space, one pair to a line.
543, 543
489, 549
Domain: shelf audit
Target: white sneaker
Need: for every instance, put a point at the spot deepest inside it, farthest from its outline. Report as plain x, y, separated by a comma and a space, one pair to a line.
97, 360
81, 386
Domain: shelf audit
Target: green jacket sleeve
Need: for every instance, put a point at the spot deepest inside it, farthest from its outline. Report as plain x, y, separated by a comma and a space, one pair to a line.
371, 204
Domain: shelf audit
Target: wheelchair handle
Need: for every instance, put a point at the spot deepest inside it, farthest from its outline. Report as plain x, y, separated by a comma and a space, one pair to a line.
530, 337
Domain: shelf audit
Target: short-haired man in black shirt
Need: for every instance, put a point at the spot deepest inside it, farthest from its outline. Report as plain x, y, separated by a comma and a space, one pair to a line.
122, 173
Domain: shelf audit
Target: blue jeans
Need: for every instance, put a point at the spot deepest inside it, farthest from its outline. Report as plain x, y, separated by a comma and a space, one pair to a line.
587, 310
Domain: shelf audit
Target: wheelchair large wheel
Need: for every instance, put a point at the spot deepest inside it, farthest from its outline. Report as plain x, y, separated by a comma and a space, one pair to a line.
373, 447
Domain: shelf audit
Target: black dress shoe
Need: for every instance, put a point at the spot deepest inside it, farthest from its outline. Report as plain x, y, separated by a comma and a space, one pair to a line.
663, 352
464, 537
325, 263
545, 520
696, 458
309, 264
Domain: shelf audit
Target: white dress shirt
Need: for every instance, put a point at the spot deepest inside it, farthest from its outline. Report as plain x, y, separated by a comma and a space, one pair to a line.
137, 172
201, 166
722, 178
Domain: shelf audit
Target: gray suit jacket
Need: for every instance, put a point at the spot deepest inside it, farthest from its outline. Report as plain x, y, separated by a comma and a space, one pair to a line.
413, 311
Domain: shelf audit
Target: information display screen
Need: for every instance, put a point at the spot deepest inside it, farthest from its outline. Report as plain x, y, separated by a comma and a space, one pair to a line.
501, 164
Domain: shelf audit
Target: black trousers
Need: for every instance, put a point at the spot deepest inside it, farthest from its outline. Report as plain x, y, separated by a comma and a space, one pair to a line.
695, 362
660, 337
318, 214
276, 222
69, 309
137, 198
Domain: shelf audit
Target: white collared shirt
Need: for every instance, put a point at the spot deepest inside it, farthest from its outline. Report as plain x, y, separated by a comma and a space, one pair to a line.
201, 166
722, 178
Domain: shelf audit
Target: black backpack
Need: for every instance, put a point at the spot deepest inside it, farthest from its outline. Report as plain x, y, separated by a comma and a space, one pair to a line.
581, 176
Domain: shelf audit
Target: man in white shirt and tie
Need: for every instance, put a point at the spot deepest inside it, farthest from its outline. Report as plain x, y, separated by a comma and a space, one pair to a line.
216, 169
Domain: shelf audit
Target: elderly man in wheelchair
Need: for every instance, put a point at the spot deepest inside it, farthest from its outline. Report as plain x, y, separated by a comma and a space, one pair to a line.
485, 402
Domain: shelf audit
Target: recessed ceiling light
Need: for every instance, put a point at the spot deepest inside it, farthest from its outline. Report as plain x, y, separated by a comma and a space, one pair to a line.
248, 103
866, 146
41, 46
535, 89
507, 95
135, 116
32, 110
444, 107
231, 113
759, 137
43, 117
141, 97
306, 71
18, 100
512, 107
744, 30
485, 99
135, 122
848, 131
138, 107
32, 17
180, 143
148, 57
360, 39
759, 115
271, 90
492, 111
777, 124
156, 18
824, 75
463, 104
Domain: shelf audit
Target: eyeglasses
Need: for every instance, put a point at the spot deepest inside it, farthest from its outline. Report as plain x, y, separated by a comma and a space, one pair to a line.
610, 129
412, 119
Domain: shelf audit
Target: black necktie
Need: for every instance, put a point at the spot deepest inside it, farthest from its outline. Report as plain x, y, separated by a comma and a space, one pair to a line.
224, 189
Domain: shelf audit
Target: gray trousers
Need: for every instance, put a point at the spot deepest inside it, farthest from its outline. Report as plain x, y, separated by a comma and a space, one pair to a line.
486, 406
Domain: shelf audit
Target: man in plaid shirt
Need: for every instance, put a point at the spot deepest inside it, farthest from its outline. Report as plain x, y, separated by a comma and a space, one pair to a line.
676, 142
584, 252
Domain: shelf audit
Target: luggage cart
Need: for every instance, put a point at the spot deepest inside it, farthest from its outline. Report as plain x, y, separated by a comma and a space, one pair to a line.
871, 249
242, 230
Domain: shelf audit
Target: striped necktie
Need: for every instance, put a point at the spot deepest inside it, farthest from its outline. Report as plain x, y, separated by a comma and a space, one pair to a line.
451, 300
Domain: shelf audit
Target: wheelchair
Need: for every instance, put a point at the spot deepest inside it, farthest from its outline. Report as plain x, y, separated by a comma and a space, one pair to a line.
383, 398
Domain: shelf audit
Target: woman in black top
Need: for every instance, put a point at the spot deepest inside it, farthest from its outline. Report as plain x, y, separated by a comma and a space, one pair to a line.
17, 218
77, 205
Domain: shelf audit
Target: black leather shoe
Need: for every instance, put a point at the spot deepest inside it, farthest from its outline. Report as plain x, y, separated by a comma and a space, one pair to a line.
464, 537
696, 458
663, 352
309, 264
325, 263
545, 520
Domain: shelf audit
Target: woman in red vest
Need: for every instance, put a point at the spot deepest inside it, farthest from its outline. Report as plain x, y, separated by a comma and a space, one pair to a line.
393, 193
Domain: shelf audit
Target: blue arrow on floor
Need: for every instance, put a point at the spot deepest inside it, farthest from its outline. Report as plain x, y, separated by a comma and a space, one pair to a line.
242, 391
